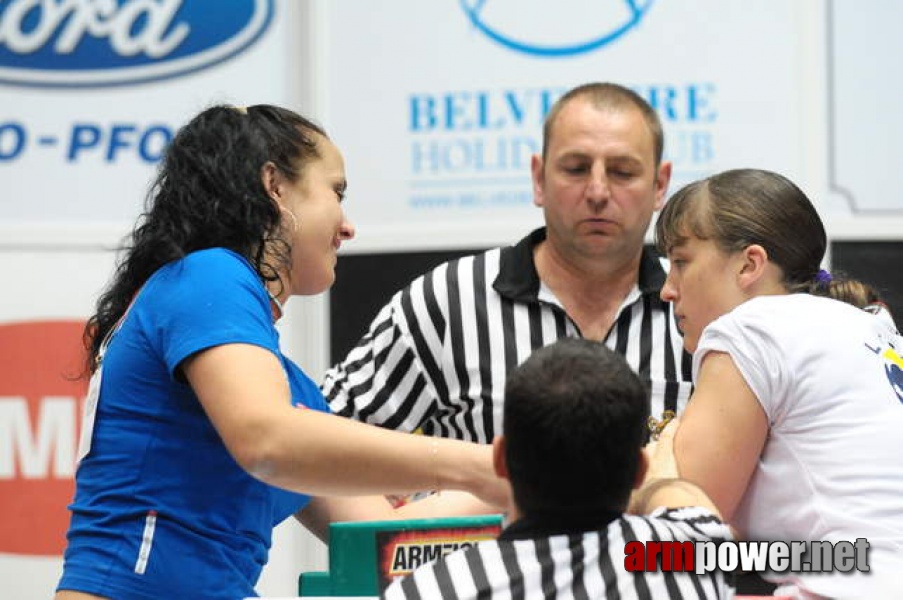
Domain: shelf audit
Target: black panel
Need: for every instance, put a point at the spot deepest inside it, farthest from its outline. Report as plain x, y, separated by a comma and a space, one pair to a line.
365, 282
879, 264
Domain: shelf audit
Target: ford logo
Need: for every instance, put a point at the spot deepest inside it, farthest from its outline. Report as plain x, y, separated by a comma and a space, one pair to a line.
574, 33
89, 43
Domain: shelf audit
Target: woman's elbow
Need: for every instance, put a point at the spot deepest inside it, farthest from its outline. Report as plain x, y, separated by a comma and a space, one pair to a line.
261, 456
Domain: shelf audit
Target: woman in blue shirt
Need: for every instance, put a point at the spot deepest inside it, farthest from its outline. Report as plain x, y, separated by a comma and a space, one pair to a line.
199, 434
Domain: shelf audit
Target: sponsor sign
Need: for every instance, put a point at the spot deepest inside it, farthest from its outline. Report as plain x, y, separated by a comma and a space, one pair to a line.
602, 24
95, 90
40, 410
99, 43
400, 552
441, 141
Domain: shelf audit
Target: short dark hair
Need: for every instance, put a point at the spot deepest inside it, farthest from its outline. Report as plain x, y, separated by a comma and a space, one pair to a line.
574, 423
607, 96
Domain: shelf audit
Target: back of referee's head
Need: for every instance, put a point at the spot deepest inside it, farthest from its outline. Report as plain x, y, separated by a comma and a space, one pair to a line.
574, 426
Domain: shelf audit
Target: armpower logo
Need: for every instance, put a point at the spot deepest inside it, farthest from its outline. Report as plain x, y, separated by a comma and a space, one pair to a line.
90, 43
40, 410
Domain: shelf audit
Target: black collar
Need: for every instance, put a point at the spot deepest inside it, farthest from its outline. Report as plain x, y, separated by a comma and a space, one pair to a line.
518, 280
557, 523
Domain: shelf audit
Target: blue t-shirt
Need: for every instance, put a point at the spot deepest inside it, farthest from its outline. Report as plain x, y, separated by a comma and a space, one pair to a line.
161, 508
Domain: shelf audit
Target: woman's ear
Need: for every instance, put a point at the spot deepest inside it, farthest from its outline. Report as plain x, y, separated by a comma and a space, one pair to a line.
754, 263
271, 178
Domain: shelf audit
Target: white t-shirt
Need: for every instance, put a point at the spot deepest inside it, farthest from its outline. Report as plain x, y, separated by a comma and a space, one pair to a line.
830, 379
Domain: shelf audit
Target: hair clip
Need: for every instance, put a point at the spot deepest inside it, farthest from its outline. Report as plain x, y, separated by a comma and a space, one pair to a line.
823, 277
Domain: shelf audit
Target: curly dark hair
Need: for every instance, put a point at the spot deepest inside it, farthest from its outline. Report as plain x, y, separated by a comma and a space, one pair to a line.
209, 193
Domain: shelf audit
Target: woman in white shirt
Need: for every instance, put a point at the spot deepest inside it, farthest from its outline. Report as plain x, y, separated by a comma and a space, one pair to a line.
794, 425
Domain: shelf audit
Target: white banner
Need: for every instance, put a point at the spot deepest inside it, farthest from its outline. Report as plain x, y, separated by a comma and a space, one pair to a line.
439, 105
91, 92
91, 97
47, 295
864, 118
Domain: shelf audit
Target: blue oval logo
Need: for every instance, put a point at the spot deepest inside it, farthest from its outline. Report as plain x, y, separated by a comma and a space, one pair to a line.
599, 29
95, 43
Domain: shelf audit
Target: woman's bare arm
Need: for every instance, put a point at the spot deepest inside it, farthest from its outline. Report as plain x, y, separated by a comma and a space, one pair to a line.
721, 433
245, 393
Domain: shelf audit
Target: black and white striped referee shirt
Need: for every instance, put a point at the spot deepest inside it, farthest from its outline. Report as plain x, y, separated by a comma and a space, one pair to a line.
581, 565
436, 356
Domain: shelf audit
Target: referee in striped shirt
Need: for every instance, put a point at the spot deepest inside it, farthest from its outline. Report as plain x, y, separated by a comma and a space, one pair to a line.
437, 355
575, 421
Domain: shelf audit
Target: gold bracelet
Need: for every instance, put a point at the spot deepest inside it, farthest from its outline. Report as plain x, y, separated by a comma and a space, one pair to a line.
656, 427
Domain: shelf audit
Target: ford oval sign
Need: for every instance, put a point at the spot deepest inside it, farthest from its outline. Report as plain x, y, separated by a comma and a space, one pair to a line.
54, 43
561, 32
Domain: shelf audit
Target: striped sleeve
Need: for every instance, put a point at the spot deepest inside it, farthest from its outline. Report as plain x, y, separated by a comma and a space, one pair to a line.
685, 525
694, 523
437, 356
388, 378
